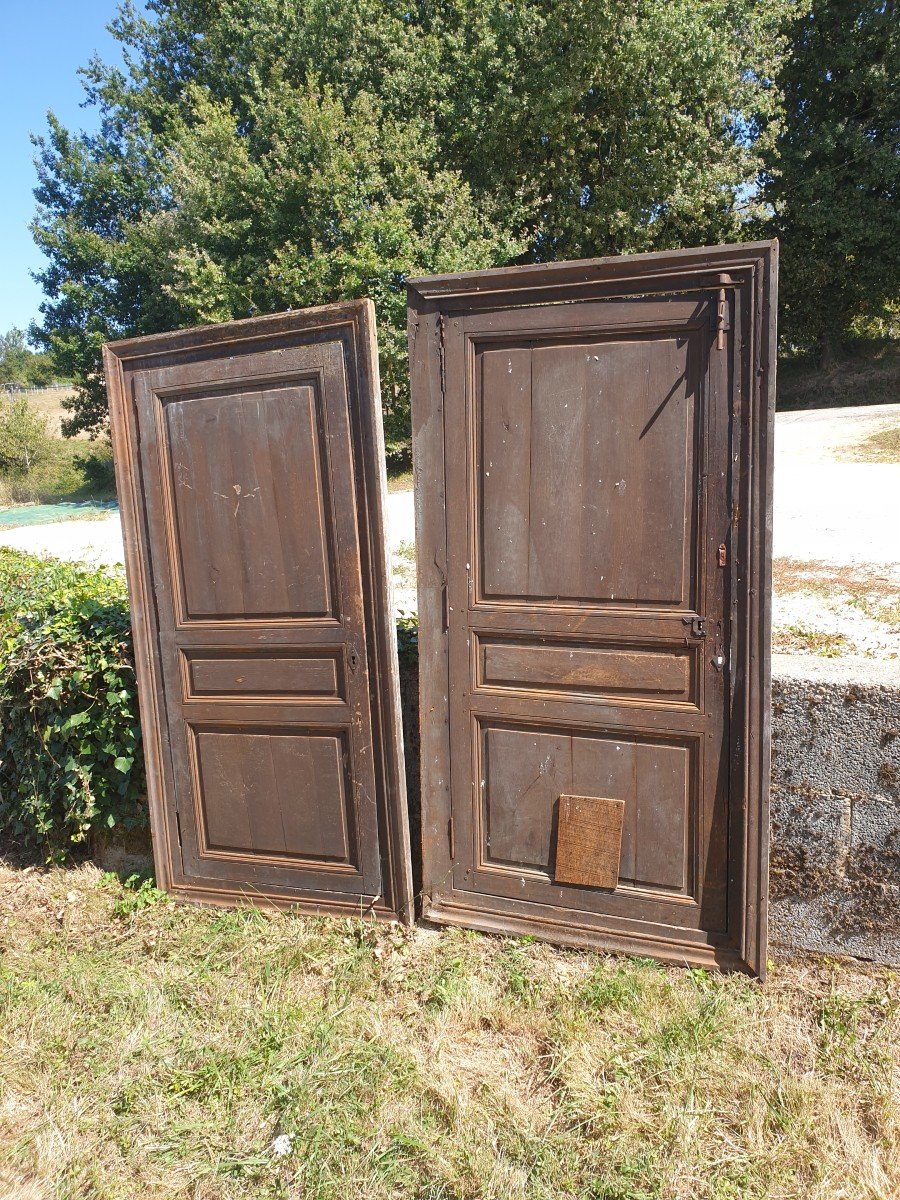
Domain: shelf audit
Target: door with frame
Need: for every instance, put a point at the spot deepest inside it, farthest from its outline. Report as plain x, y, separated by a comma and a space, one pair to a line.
592, 447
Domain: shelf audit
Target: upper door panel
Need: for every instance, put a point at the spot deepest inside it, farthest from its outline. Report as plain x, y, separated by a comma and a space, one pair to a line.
629, 505
270, 437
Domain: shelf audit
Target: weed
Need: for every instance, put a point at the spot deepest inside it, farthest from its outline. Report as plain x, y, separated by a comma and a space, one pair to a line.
804, 637
138, 892
613, 988
445, 986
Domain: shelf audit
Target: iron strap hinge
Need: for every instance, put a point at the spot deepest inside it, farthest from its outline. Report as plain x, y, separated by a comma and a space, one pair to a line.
723, 323
442, 353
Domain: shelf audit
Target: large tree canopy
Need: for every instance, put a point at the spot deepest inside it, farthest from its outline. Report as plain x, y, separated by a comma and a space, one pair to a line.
260, 154
834, 185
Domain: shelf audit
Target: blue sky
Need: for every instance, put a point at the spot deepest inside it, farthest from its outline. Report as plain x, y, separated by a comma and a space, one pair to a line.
44, 43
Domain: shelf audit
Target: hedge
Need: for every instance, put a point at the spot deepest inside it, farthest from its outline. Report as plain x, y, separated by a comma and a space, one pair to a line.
70, 741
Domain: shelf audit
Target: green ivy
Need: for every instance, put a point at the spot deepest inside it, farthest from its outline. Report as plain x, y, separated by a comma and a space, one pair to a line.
408, 640
70, 740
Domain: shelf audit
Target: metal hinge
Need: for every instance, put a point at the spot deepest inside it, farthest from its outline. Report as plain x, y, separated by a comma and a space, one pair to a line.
722, 322
442, 353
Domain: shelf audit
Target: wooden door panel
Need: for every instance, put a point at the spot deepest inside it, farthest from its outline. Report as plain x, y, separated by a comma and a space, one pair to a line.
628, 506
243, 465
592, 467
582, 668
290, 674
251, 459
276, 793
525, 771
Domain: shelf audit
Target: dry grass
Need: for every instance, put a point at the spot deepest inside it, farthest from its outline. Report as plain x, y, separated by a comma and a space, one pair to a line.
49, 403
400, 481
158, 1051
881, 446
870, 375
800, 638
831, 610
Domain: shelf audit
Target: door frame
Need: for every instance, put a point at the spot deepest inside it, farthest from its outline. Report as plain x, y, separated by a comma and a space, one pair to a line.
353, 325
748, 273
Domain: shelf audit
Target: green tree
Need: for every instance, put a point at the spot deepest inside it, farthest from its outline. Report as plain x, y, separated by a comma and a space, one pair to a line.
260, 154
14, 358
636, 126
834, 186
20, 366
24, 437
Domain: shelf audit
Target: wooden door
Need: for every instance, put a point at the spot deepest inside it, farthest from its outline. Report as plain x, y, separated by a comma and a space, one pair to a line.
593, 505
250, 469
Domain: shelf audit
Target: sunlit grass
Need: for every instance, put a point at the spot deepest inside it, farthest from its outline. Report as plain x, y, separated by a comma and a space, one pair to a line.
156, 1050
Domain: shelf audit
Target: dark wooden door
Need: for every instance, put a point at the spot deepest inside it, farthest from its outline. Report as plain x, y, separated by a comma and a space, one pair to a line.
251, 475
592, 474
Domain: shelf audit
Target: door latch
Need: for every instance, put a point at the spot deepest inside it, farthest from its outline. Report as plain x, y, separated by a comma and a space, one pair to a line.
697, 626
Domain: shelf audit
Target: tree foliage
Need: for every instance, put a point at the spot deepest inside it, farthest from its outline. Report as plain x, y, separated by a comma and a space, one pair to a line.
260, 154
834, 182
24, 437
20, 366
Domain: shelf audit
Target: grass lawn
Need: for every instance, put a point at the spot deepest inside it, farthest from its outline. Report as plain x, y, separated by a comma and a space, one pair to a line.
155, 1050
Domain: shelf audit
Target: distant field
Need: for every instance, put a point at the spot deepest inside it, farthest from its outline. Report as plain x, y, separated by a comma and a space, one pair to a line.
69, 470
49, 402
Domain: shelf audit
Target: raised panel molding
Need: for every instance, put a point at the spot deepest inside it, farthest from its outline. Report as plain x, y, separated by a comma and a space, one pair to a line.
525, 770
584, 484
574, 667
242, 466
275, 794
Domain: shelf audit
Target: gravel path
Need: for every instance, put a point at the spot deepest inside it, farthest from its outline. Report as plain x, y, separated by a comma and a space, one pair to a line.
829, 510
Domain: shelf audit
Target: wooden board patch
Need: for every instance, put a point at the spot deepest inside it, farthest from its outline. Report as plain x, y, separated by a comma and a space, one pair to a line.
589, 841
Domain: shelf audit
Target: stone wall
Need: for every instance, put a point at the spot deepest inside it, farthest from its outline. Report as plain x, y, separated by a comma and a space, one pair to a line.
835, 878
